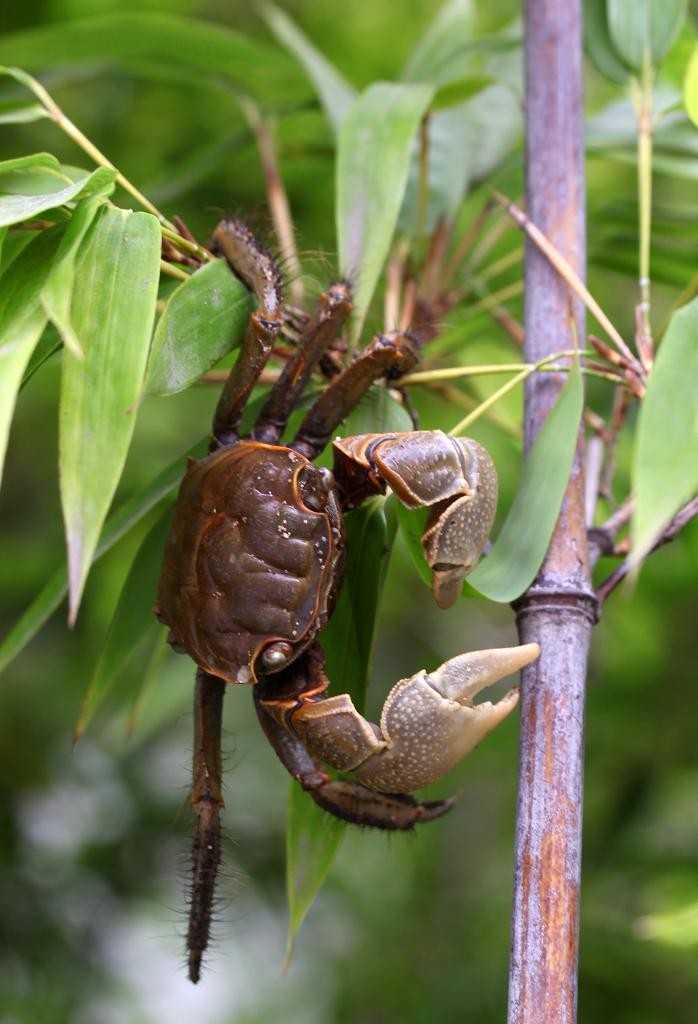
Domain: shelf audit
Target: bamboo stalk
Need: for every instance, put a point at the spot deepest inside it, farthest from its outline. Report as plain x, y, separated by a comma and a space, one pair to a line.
559, 608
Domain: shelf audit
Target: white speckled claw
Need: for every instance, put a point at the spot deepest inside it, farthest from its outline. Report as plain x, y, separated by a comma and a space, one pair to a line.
427, 725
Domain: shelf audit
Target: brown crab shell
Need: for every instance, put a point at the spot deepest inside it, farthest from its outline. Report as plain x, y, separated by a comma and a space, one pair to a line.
247, 563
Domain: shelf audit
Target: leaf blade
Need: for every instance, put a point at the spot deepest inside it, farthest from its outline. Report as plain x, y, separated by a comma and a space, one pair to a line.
520, 547
150, 37
112, 312
57, 293
373, 158
131, 623
22, 321
650, 25
15, 208
117, 526
336, 95
205, 318
665, 459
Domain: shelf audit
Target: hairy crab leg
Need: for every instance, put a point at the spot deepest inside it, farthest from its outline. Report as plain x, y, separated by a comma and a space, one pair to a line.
257, 269
388, 355
303, 684
333, 308
207, 802
454, 477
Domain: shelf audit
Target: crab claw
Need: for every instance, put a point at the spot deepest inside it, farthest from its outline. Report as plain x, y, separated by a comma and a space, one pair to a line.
428, 722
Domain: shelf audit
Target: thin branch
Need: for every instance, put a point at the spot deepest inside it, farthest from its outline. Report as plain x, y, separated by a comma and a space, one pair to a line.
621, 404
393, 289
456, 396
491, 303
671, 530
173, 271
276, 196
643, 332
423, 183
70, 129
567, 272
506, 262
592, 475
466, 243
602, 539
487, 242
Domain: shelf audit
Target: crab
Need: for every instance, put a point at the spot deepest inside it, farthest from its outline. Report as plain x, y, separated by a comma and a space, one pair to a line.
253, 565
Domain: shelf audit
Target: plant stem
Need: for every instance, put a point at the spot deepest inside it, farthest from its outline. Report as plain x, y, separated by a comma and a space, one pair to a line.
173, 271
72, 130
423, 187
559, 608
489, 402
169, 230
564, 268
644, 195
276, 196
525, 371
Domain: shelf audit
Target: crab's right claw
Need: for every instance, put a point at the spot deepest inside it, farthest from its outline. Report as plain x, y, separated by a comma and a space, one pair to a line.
428, 723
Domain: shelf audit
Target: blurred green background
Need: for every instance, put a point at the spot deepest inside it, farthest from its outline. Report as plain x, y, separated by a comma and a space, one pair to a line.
94, 841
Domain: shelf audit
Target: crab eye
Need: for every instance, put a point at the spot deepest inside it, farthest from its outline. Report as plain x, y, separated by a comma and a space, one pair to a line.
276, 656
313, 489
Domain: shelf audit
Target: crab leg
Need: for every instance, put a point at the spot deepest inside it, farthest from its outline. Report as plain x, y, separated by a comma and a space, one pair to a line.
333, 308
428, 722
277, 701
388, 355
256, 267
452, 476
207, 802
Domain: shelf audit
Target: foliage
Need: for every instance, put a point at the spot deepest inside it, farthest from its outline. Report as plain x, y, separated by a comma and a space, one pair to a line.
85, 295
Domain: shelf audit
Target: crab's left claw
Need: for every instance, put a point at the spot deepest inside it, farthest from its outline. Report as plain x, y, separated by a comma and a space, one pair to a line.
429, 722
454, 477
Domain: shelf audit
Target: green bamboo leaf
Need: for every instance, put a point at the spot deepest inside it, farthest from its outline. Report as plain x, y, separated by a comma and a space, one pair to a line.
463, 89
23, 163
119, 523
312, 841
441, 55
17, 207
12, 246
156, 648
313, 836
205, 317
690, 88
475, 119
151, 38
373, 161
518, 551
131, 625
412, 524
598, 44
112, 312
22, 320
466, 143
23, 114
639, 26
48, 345
665, 460
335, 93
57, 293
